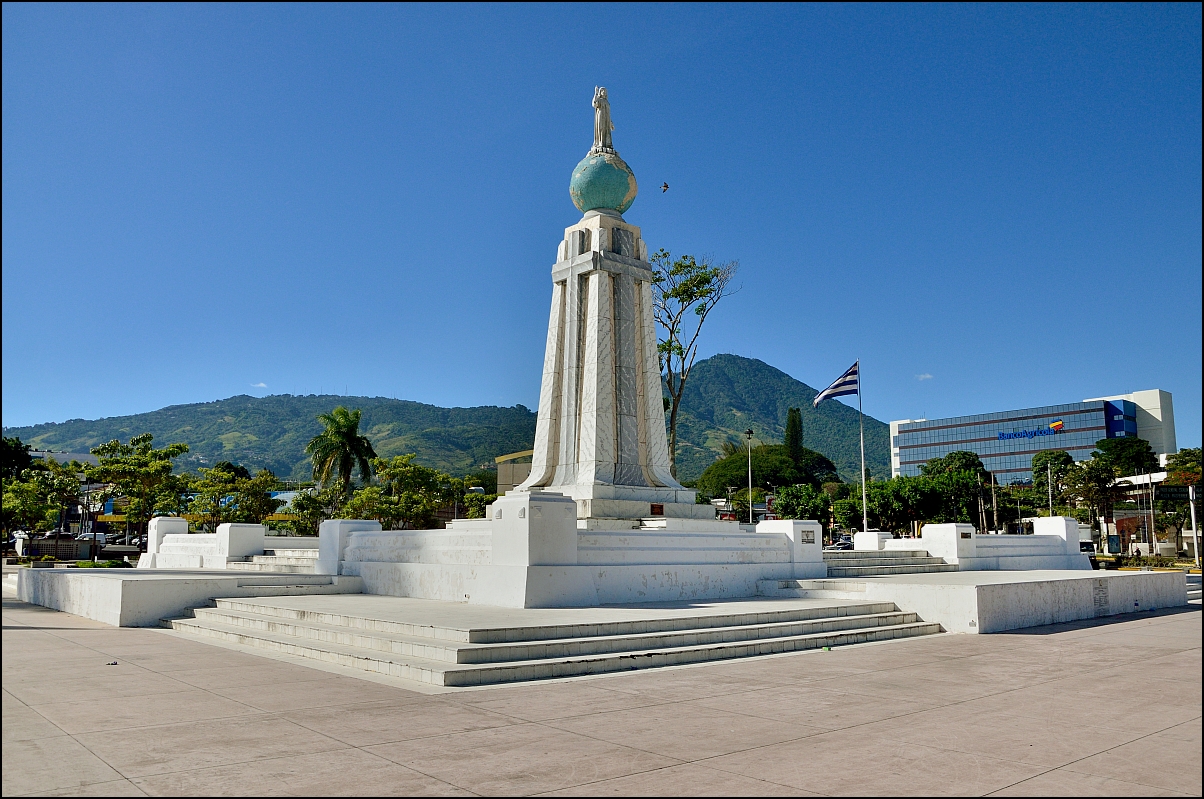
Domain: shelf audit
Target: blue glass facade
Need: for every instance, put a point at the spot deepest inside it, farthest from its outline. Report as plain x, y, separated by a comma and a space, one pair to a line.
1007, 441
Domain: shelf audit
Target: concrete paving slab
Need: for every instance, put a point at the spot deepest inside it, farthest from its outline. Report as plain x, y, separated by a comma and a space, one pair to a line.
282, 696
688, 779
546, 702
348, 772
389, 722
948, 745
518, 760
170, 748
1156, 759
1061, 782
698, 731
822, 764
818, 708
114, 788
41, 764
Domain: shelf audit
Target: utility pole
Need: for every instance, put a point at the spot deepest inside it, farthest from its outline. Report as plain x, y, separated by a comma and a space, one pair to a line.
749, 433
1195, 535
1049, 482
994, 504
1153, 533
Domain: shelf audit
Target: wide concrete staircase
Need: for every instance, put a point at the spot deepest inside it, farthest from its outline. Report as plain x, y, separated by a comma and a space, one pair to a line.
279, 561
460, 657
1193, 588
284, 584
881, 563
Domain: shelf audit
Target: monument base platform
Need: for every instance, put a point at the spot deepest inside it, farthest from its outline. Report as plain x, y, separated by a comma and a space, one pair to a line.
997, 601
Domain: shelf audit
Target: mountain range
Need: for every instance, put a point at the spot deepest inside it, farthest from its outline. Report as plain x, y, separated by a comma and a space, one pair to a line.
725, 395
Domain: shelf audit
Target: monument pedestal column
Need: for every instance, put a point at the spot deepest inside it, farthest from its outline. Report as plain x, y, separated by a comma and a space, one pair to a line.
600, 435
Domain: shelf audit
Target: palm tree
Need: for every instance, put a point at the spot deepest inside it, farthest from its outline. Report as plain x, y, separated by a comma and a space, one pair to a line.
339, 449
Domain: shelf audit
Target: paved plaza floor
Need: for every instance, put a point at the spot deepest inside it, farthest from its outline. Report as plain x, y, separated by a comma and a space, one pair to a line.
1108, 707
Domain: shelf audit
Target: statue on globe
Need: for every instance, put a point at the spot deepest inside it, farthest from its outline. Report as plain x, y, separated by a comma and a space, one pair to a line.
602, 124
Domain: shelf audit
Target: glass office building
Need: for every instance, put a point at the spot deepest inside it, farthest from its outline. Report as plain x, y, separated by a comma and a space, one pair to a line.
1007, 441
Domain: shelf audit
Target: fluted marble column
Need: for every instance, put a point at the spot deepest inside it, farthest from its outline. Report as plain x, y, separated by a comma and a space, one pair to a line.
600, 435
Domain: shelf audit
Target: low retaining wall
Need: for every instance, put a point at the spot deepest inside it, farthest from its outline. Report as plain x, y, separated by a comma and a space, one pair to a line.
126, 598
1055, 545
989, 602
532, 554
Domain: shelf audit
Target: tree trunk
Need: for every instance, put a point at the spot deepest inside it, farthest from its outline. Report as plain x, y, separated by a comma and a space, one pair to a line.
673, 404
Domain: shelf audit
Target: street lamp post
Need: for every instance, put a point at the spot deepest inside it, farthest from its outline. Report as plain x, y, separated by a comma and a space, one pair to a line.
749, 433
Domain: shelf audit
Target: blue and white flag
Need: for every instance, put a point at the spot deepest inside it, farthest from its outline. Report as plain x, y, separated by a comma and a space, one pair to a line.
845, 384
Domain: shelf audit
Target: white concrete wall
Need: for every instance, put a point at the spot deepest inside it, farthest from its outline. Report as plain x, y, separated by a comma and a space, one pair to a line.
995, 602
128, 598
806, 544
1055, 546
333, 535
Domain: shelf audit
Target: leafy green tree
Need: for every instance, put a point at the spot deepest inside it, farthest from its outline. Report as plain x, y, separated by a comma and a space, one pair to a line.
1090, 483
1184, 467
228, 493
682, 288
958, 461
847, 513
793, 439
418, 491
213, 496
1128, 456
340, 449
253, 500
1055, 463
482, 478
371, 502
139, 473
26, 506
310, 508
897, 504
740, 502
802, 502
772, 466
14, 458
60, 483
474, 505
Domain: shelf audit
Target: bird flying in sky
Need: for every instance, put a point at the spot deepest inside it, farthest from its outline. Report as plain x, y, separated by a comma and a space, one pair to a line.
664, 187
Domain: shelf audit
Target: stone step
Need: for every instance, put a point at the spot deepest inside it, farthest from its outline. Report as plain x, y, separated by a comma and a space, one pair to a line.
485, 635
661, 539
284, 560
291, 553
885, 571
608, 556
277, 568
188, 549
452, 674
840, 554
456, 652
811, 589
871, 559
810, 585
264, 586
419, 538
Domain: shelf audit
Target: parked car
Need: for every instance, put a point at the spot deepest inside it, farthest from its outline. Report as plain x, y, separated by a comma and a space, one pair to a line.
1087, 546
845, 542
99, 538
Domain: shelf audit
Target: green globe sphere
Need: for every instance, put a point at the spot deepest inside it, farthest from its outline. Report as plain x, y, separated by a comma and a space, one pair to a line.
603, 182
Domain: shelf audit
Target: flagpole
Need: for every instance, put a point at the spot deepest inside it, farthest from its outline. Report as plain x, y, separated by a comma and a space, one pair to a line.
865, 517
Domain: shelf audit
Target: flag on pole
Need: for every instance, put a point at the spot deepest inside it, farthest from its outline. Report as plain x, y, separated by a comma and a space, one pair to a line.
846, 384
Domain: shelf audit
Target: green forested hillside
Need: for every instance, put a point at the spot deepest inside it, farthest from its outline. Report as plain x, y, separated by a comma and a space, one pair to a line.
271, 432
725, 395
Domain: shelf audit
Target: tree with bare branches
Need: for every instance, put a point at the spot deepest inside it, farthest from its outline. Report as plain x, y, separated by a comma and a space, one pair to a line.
681, 288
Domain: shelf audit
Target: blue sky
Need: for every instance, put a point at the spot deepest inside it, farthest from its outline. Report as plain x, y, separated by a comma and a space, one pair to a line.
991, 206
